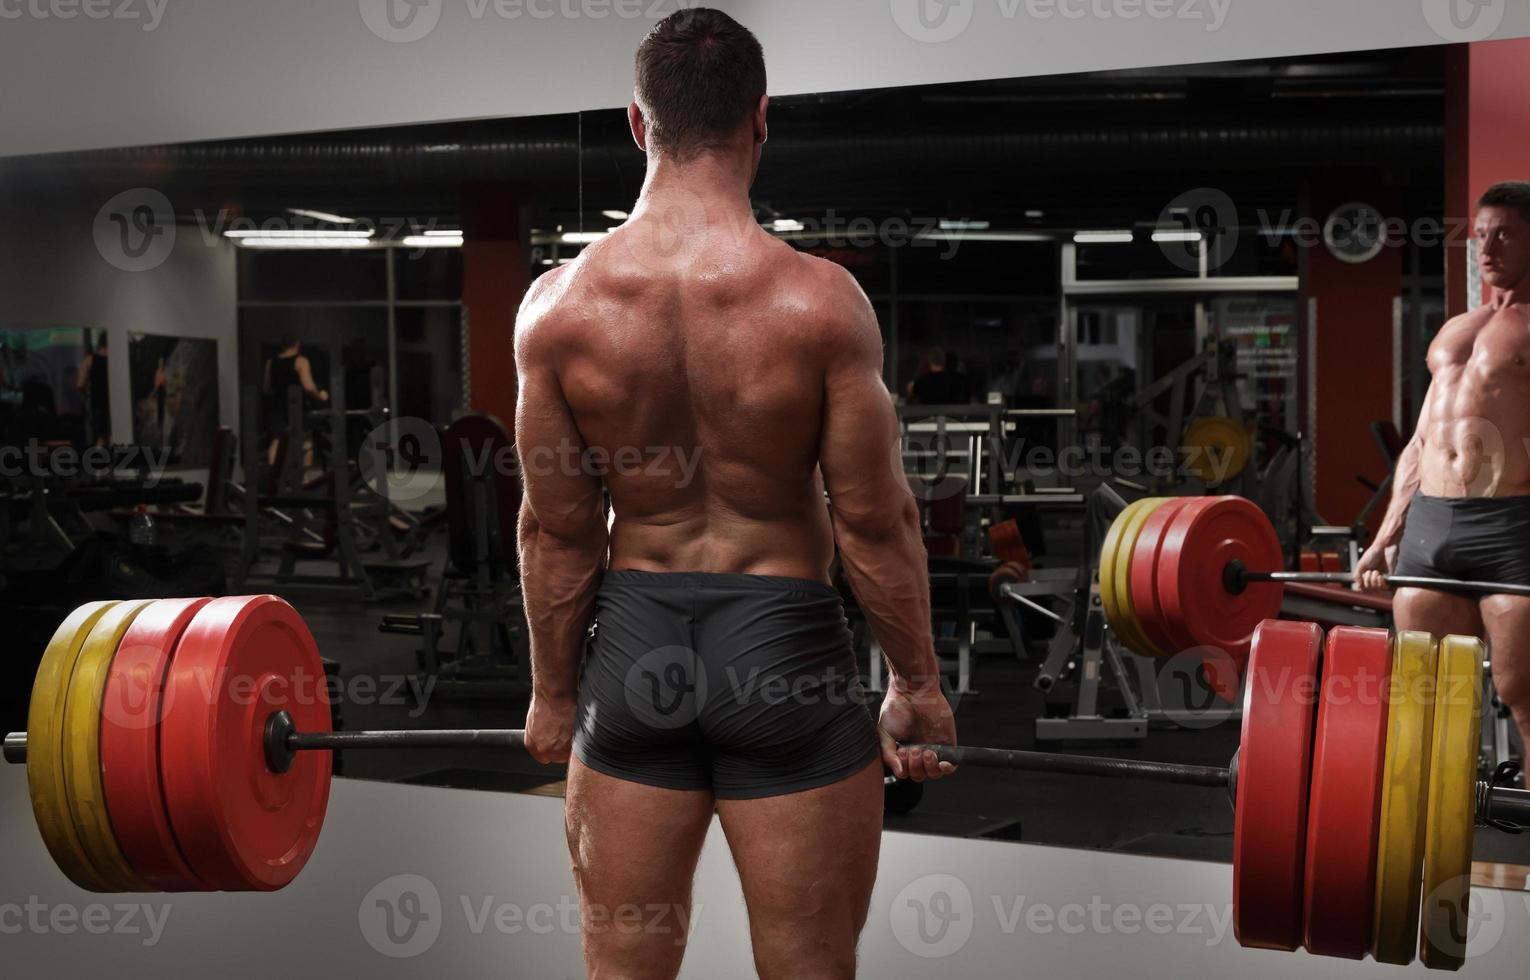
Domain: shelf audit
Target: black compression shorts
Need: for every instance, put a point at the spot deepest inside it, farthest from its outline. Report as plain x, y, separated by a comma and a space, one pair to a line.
745, 685
1468, 538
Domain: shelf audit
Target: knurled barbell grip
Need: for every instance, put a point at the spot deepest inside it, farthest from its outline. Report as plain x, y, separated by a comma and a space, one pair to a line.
1084, 765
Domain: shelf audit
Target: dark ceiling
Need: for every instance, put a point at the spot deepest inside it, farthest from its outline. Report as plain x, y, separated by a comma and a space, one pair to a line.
1087, 150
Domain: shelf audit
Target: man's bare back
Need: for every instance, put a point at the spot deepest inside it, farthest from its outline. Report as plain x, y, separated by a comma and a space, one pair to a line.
1476, 420
709, 362
727, 393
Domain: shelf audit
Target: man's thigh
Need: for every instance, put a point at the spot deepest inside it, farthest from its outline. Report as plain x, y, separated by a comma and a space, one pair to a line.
1437, 613
634, 849
808, 862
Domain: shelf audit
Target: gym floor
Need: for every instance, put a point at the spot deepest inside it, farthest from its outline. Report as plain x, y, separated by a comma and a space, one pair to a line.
1132, 816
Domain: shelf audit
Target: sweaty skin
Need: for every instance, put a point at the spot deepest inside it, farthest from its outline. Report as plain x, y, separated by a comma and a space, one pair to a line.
1473, 440
718, 384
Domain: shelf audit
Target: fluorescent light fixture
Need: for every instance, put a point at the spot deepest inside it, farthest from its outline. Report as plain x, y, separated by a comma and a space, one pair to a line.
290, 233
581, 237
444, 232
984, 236
949, 225
307, 242
1176, 236
616, 215
1033, 213
325, 216
786, 224
1102, 237
428, 240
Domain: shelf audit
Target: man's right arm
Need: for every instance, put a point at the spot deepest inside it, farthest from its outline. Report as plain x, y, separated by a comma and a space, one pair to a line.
876, 526
1406, 475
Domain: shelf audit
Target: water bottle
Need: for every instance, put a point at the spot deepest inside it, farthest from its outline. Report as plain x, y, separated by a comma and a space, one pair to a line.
141, 527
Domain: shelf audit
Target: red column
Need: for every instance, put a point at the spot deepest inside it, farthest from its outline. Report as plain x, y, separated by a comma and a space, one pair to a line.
495, 274
1487, 116
1352, 348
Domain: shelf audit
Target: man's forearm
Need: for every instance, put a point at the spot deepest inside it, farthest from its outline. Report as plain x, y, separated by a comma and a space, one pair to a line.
1405, 482
887, 567
559, 577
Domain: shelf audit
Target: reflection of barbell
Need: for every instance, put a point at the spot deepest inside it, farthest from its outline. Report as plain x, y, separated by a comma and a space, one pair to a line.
181, 744
1199, 573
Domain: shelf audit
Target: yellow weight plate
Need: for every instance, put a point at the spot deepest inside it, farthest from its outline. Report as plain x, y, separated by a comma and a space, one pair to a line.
1137, 639
45, 744
1452, 803
1216, 448
1108, 599
82, 750
1404, 798
1113, 561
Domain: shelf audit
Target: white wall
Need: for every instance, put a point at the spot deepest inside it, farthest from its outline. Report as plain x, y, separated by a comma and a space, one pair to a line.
160, 71
55, 272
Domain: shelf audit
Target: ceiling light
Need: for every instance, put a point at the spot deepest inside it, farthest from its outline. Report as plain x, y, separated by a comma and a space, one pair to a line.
581, 237
287, 233
616, 215
948, 225
325, 216
428, 240
1176, 236
1102, 237
786, 224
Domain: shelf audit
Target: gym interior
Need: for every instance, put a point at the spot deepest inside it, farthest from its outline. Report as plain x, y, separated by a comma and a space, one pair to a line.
1151, 330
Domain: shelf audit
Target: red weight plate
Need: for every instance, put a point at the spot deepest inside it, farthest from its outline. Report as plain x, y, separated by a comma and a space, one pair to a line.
1344, 814
1270, 825
1198, 610
130, 721
1144, 563
241, 826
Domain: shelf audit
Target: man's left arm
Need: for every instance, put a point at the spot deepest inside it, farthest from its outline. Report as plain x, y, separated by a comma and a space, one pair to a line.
562, 538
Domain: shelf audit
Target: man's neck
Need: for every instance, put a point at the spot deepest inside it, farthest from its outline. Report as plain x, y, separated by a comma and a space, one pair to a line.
1515, 295
716, 181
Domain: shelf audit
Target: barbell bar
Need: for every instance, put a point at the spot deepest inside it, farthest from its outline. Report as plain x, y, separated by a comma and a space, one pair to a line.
1236, 578
283, 741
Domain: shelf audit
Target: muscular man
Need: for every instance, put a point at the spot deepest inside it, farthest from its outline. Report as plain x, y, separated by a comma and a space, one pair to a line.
1460, 505
716, 383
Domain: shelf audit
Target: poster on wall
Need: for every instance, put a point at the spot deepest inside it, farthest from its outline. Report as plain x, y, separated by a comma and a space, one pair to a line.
174, 385
52, 384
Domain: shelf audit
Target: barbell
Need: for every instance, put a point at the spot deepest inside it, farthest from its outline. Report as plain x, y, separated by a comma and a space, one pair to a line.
183, 745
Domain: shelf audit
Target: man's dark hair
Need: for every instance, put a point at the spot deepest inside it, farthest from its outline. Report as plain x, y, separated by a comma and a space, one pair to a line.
700, 73
286, 341
101, 340
935, 357
1508, 194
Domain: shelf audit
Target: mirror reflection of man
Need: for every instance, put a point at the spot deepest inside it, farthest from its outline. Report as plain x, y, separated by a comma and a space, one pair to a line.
1460, 505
